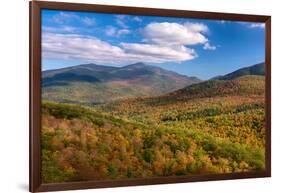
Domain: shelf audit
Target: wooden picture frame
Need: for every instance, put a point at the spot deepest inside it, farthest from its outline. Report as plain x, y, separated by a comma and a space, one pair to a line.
35, 94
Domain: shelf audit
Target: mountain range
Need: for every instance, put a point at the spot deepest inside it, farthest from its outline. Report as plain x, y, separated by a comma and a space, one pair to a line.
97, 84
94, 84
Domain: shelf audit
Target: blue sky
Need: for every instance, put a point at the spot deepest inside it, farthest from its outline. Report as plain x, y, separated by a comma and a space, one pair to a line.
193, 47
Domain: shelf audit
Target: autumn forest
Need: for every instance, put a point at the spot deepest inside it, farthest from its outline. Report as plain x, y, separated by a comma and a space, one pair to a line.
155, 123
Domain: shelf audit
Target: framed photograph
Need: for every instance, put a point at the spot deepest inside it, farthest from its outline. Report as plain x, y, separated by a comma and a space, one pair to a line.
123, 96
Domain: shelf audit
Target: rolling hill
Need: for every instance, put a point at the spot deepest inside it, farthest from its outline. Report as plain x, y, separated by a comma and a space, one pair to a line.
80, 143
244, 85
257, 69
94, 84
228, 109
249, 85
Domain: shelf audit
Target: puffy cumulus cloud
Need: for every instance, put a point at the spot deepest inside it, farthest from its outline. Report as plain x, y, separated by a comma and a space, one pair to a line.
77, 47
164, 42
196, 27
92, 49
175, 34
159, 53
208, 46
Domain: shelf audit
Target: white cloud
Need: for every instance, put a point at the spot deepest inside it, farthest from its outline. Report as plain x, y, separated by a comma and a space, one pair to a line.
63, 17
160, 53
110, 31
252, 25
62, 29
66, 14
123, 32
121, 21
88, 21
67, 17
208, 46
163, 42
175, 34
196, 27
92, 49
256, 25
223, 21
114, 32
137, 19
77, 47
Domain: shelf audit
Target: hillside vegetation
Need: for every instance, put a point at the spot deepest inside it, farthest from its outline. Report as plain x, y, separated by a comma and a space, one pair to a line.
95, 84
210, 127
258, 69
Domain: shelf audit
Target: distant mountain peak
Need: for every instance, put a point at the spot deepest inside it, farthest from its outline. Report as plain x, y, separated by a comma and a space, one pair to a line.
89, 64
138, 64
101, 83
94, 67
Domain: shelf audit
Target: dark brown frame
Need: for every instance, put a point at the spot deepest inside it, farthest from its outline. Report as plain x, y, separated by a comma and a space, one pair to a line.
36, 185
